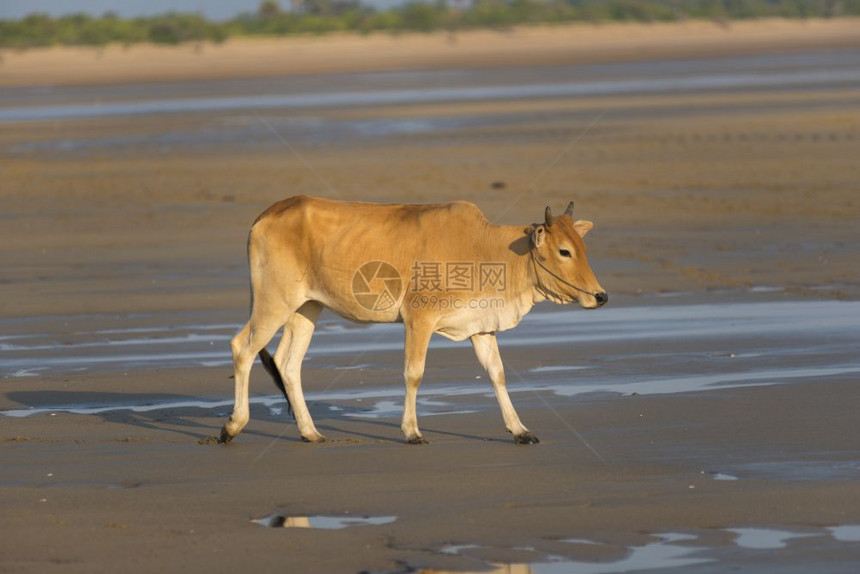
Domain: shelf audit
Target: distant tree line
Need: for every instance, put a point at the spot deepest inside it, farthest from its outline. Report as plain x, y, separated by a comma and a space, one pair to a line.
322, 16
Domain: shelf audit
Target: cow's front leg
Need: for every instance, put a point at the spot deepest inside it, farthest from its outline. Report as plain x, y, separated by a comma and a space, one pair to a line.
417, 339
487, 350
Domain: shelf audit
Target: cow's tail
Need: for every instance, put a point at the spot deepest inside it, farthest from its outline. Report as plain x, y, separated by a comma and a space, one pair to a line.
272, 369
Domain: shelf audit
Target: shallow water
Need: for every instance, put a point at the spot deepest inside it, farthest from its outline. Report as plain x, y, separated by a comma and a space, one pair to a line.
279, 520
676, 551
846, 533
738, 333
802, 70
437, 95
801, 470
724, 477
664, 554
765, 538
749, 344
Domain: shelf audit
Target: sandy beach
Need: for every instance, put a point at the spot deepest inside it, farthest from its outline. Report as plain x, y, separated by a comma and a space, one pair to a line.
703, 421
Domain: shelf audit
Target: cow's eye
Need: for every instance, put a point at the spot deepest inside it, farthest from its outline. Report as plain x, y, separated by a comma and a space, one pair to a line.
564, 252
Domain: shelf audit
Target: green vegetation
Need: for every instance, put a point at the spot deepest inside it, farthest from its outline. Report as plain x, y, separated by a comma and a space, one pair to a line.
321, 16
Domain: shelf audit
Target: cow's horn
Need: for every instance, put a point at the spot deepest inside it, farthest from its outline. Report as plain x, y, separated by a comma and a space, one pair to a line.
548, 215
569, 211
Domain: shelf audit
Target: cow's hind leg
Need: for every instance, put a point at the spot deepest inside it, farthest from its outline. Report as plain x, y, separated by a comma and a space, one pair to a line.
417, 339
487, 350
245, 346
298, 332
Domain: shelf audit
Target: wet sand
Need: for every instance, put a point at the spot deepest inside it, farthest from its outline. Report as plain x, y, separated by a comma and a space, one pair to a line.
102, 487
726, 218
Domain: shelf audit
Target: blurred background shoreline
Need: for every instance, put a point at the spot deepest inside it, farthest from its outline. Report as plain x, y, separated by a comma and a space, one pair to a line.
573, 43
99, 23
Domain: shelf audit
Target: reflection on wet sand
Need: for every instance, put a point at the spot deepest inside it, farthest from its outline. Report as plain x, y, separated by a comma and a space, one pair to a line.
279, 520
663, 554
670, 551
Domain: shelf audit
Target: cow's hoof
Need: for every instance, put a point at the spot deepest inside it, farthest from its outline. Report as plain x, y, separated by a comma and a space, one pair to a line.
417, 440
314, 438
225, 437
526, 438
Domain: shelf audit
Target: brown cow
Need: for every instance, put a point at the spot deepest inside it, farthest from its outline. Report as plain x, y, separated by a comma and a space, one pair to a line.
439, 268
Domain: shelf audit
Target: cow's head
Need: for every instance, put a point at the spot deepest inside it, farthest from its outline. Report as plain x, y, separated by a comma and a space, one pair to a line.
560, 264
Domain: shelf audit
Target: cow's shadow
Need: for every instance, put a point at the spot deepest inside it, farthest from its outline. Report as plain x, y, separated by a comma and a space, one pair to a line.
179, 414
201, 418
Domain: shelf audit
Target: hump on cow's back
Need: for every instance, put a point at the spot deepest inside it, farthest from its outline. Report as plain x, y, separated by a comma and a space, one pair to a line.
449, 214
452, 212
279, 207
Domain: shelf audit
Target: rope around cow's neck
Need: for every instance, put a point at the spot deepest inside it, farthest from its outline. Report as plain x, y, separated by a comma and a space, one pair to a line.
562, 279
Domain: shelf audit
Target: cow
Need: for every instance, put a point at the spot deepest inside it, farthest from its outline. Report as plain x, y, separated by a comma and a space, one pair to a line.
438, 268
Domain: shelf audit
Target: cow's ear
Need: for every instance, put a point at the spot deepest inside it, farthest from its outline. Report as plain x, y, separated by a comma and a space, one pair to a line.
538, 235
582, 227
